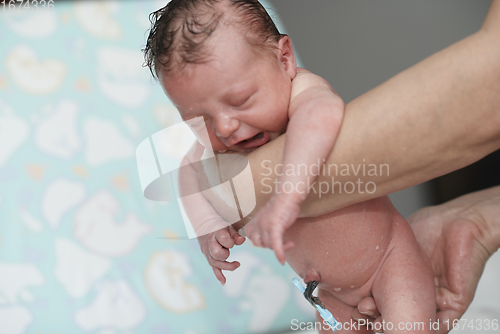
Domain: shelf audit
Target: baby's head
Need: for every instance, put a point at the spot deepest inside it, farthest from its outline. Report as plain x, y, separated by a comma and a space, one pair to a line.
224, 60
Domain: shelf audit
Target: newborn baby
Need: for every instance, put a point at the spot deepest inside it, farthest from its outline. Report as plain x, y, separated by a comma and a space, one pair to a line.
227, 69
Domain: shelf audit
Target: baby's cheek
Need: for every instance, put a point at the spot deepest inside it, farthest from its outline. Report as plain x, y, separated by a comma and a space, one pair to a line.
276, 117
283, 120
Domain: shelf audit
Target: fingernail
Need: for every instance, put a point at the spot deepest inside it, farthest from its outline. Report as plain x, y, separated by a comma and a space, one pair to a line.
367, 313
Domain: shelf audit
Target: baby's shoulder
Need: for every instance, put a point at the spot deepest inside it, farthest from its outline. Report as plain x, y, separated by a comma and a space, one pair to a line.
305, 76
305, 80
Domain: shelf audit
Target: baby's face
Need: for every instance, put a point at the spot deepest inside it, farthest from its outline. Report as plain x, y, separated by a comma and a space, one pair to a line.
242, 95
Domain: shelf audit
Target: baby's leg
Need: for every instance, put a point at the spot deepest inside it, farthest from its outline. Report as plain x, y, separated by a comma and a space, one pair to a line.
404, 289
341, 312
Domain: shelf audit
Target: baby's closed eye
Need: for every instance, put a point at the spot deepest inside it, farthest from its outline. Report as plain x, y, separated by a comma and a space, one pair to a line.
241, 101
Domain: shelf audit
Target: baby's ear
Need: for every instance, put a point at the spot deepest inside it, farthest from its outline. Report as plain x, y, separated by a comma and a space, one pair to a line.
286, 56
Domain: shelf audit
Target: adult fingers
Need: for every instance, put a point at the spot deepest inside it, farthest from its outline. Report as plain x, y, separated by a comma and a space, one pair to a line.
368, 307
377, 325
358, 316
368, 315
446, 318
367, 321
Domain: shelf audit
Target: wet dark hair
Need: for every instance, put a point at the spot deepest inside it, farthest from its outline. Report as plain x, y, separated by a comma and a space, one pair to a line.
179, 30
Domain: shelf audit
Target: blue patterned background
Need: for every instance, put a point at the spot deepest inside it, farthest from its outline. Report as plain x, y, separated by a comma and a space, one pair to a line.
81, 250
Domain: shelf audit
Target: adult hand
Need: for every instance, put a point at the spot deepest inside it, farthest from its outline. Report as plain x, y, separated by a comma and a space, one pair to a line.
459, 237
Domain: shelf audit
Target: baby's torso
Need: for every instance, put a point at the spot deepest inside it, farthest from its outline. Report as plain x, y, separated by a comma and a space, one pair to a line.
344, 249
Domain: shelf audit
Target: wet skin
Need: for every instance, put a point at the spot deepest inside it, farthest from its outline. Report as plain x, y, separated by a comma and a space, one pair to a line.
362, 250
339, 249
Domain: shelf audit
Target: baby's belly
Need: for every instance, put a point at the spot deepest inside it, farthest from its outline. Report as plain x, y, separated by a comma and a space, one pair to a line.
344, 249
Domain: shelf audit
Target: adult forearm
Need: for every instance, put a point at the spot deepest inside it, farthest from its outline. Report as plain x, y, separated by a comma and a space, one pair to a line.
437, 116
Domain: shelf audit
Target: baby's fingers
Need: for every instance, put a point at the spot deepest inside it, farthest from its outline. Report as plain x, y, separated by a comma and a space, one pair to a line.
224, 265
280, 255
238, 239
218, 266
253, 234
217, 251
220, 276
225, 238
280, 249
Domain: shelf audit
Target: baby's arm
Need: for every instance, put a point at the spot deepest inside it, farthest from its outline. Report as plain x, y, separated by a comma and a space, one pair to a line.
315, 116
215, 235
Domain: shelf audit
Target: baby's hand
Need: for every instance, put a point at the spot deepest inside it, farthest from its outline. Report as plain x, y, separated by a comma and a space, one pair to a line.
215, 246
268, 226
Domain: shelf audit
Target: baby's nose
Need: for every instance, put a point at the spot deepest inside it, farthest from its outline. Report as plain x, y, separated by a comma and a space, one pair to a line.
225, 126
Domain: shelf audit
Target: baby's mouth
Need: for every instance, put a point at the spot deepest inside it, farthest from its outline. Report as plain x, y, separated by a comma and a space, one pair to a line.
258, 140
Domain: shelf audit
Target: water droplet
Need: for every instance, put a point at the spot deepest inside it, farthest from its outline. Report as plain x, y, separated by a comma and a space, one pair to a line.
414, 302
327, 252
376, 247
352, 286
337, 289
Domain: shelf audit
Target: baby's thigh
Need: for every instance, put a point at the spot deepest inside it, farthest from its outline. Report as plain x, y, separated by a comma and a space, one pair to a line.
404, 290
341, 312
